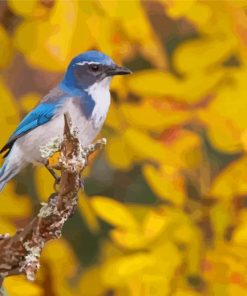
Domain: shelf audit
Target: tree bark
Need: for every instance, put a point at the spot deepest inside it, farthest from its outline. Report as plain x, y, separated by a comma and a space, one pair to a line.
20, 253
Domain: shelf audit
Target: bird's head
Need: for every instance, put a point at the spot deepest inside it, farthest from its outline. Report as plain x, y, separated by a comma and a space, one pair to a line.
90, 68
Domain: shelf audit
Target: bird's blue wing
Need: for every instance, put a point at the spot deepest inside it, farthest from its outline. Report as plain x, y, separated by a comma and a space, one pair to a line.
38, 116
41, 114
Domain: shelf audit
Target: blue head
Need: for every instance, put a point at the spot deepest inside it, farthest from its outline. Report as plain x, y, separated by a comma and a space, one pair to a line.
89, 68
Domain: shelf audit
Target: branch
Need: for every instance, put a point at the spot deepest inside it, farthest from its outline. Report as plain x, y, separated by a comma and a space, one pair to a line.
20, 253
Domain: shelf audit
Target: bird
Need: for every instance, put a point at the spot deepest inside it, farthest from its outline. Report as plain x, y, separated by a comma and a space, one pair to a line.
83, 93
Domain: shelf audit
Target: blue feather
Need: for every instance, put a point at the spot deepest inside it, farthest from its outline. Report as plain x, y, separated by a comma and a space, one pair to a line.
38, 116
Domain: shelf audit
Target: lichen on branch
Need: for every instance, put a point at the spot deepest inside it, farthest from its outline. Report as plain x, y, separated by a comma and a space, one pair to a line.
20, 253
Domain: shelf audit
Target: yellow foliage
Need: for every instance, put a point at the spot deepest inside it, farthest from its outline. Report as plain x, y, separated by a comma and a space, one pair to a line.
53, 160
43, 182
23, 9
88, 282
6, 49
192, 88
144, 147
8, 113
164, 208
58, 261
14, 286
149, 117
104, 207
29, 101
153, 83
176, 8
119, 154
14, 205
188, 56
232, 181
240, 234
88, 213
49, 51
166, 182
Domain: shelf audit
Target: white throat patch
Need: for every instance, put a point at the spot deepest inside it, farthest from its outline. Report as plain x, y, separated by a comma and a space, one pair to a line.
100, 93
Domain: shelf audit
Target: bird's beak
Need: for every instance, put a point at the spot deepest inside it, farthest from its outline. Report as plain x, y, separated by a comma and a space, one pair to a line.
117, 70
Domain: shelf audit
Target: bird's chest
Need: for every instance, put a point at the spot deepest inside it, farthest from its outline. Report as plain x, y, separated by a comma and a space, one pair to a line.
87, 126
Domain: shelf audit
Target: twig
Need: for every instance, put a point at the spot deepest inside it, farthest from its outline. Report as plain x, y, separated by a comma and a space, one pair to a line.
20, 253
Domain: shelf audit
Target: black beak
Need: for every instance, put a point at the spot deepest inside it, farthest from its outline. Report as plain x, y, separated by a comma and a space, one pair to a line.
117, 70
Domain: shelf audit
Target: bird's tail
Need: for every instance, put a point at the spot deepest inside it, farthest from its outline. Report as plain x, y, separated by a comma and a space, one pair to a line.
6, 173
2, 184
9, 169
3, 176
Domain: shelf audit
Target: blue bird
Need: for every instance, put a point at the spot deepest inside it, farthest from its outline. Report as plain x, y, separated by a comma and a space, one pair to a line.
83, 93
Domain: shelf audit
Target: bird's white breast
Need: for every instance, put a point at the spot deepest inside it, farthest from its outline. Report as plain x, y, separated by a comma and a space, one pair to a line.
88, 128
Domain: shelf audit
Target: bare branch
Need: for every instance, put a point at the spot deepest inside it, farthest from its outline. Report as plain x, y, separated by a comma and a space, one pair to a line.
20, 253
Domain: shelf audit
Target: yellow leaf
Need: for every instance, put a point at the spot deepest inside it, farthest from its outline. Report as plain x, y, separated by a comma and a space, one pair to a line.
87, 282
17, 285
200, 14
44, 183
145, 147
177, 8
186, 292
154, 223
231, 181
153, 83
59, 254
235, 289
186, 145
240, 233
244, 140
29, 101
118, 153
119, 9
113, 212
220, 219
9, 116
205, 13
23, 8
129, 239
13, 205
166, 182
136, 18
223, 133
42, 42
188, 56
225, 118
119, 270
198, 86
88, 213
82, 38
165, 260
147, 116
113, 120
6, 226
190, 89
6, 48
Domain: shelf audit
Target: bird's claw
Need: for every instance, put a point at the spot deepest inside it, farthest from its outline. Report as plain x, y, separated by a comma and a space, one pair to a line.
56, 183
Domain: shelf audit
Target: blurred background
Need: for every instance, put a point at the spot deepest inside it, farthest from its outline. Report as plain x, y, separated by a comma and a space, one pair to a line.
165, 205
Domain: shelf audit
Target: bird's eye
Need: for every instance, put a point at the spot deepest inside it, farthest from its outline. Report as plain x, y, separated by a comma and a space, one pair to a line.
94, 67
